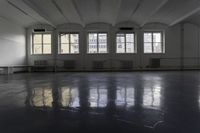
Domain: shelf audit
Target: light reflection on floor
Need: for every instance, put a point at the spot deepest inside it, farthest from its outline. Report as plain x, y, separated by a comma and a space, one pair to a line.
152, 96
69, 97
125, 96
70, 101
98, 97
152, 92
42, 97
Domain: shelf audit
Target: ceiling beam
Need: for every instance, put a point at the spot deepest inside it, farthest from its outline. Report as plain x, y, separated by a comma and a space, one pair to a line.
39, 12
78, 11
98, 5
185, 16
117, 12
60, 10
136, 8
154, 12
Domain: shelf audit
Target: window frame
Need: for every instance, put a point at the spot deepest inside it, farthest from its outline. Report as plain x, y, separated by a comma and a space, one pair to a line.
97, 42
134, 42
59, 43
42, 43
152, 43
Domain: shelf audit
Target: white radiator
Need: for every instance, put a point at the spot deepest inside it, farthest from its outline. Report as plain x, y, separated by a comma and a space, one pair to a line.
126, 64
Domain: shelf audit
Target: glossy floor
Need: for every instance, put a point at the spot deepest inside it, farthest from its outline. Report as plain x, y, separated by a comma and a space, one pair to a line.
141, 102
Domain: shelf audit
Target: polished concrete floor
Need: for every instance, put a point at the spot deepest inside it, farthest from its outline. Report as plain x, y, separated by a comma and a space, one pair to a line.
130, 102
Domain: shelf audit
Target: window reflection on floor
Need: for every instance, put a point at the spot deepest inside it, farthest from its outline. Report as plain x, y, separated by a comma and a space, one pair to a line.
42, 97
152, 95
125, 96
69, 97
98, 97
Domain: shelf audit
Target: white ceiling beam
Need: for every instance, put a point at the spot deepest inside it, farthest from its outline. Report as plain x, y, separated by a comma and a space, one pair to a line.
98, 4
154, 12
60, 10
78, 11
136, 8
185, 16
117, 12
39, 12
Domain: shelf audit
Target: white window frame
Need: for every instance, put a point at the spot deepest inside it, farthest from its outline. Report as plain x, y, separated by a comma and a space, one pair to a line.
97, 42
134, 43
32, 46
69, 33
162, 42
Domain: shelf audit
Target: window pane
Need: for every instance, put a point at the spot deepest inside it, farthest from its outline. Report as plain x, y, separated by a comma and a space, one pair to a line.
157, 37
74, 38
157, 47
93, 38
120, 47
47, 49
37, 49
147, 37
74, 48
64, 49
47, 38
103, 48
74, 41
120, 38
120, 43
37, 38
129, 37
64, 38
102, 43
92, 43
102, 38
147, 47
130, 47
92, 48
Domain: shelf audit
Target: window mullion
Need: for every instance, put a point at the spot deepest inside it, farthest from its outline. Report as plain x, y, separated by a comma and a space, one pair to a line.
97, 42
33, 51
60, 45
152, 45
42, 44
69, 43
125, 42
162, 42
133, 42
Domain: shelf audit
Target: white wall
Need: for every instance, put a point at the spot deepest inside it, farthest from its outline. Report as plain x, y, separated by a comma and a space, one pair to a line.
12, 44
171, 58
191, 45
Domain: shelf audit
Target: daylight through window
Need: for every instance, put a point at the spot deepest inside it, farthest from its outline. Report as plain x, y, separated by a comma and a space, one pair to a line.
153, 42
69, 43
125, 43
41, 43
97, 43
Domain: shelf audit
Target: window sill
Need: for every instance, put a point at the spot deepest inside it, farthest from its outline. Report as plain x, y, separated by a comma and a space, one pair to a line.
69, 54
126, 53
40, 54
98, 53
153, 53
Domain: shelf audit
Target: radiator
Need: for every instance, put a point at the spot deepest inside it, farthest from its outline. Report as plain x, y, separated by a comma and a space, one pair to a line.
126, 64
98, 64
154, 62
70, 64
40, 63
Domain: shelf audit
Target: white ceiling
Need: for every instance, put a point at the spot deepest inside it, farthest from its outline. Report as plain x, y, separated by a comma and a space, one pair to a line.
56, 12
